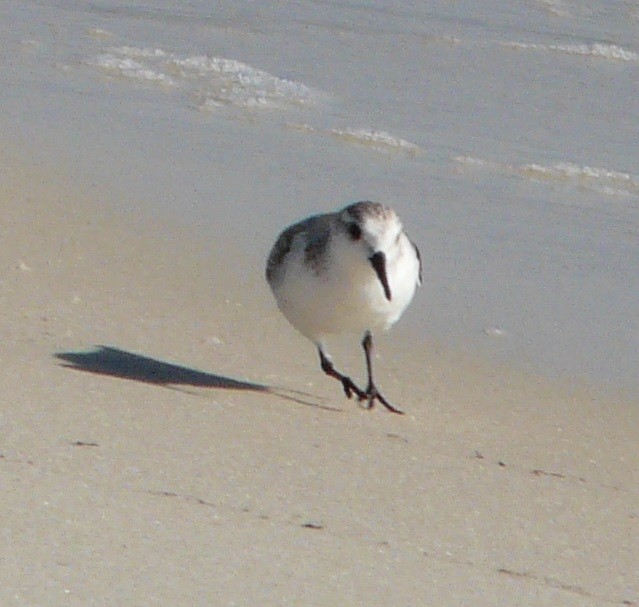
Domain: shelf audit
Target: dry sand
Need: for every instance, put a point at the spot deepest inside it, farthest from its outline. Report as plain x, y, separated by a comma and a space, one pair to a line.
166, 467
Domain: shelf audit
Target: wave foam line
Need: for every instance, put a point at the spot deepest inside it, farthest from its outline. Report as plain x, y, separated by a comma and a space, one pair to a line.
131, 69
377, 139
606, 181
598, 49
216, 80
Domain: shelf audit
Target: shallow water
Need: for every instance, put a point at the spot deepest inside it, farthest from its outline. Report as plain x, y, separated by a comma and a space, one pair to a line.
505, 136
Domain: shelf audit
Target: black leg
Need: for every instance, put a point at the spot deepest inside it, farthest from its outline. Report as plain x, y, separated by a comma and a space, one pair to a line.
347, 383
372, 394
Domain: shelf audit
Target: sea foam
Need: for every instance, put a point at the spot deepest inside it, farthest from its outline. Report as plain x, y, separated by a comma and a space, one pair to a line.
605, 181
380, 140
600, 50
213, 81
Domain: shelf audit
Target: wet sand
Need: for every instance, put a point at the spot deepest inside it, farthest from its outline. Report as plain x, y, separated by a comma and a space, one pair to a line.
167, 439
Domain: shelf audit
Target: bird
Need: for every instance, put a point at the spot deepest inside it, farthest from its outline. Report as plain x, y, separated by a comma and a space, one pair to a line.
350, 271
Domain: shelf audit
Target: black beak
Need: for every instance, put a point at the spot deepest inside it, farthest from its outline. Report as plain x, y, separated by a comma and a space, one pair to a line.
378, 261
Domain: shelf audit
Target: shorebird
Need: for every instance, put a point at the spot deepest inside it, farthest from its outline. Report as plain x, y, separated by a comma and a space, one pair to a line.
351, 271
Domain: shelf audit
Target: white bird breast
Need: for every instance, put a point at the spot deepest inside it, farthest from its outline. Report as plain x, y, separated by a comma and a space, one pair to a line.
343, 293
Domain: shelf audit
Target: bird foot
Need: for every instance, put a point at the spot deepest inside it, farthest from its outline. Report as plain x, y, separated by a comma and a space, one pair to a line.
351, 388
371, 395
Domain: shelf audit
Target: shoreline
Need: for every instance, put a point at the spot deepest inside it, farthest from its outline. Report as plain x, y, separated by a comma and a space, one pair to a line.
494, 486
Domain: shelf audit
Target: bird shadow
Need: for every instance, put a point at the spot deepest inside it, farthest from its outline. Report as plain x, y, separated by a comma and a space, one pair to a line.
113, 362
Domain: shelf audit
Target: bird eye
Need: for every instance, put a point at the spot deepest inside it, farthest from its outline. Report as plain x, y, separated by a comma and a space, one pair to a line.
355, 231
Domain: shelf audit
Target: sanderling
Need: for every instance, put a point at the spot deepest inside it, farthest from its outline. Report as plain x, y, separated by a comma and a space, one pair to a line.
354, 270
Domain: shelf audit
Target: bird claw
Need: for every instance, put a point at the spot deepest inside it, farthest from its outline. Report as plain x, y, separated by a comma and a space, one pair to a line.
371, 395
347, 389
350, 388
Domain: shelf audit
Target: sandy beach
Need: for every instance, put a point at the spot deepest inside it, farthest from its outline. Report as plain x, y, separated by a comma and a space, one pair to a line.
167, 439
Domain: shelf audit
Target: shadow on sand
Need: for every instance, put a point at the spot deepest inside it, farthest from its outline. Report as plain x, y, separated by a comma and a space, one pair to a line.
105, 360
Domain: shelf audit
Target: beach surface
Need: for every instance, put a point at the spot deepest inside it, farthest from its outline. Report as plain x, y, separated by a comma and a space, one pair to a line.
167, 439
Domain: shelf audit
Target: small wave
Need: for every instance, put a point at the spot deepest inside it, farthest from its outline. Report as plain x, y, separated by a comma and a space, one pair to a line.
567, 170
99, 33
605, 181
380, 140
234, 82
598, 49
125, 67
214, 81
554, 7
